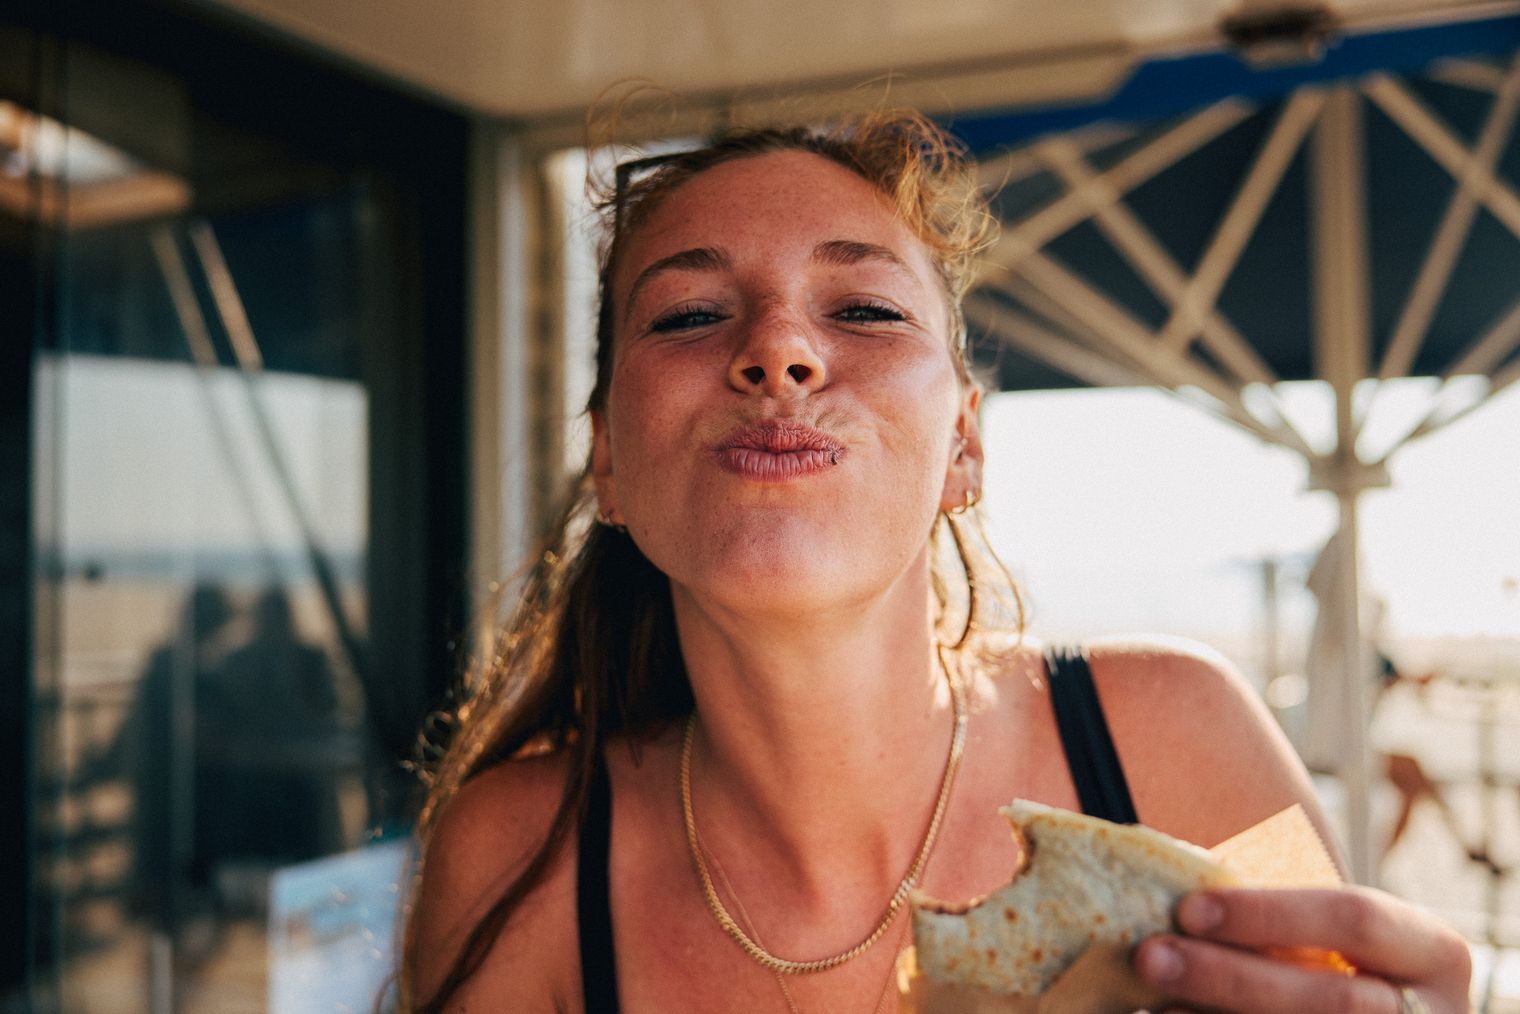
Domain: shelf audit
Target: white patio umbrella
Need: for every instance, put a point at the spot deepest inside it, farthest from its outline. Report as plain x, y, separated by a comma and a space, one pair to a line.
1334, 220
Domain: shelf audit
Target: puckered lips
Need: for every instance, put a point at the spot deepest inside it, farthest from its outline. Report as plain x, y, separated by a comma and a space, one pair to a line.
777, 450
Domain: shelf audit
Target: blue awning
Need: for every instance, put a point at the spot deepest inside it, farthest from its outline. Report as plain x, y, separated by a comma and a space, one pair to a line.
1405, 191
1166, 87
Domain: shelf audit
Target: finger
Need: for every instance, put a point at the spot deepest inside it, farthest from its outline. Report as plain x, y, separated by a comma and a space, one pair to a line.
1197, 974
1374, 931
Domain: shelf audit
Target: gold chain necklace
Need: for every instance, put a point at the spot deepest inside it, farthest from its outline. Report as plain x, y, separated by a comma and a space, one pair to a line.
904, 886
749, 927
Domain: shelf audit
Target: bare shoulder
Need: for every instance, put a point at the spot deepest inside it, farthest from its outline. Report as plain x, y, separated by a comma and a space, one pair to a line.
485, 839
1202, 754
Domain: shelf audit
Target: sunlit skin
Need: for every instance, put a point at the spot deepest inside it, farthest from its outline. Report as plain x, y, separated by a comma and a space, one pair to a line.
784, 420
779, 288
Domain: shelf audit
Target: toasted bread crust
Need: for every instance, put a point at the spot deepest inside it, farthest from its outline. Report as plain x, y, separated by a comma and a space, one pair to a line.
1081, 881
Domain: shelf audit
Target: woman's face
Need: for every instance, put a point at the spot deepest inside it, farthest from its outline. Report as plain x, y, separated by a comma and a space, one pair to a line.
784, 417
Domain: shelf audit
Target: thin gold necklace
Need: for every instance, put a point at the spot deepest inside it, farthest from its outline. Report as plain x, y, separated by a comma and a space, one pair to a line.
904, 886
749, 926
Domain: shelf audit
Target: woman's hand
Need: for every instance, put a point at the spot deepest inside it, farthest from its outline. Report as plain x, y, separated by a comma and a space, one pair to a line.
1216, 964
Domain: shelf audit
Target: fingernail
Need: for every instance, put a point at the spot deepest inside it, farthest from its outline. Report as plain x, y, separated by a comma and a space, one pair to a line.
1160, 962
1200, 913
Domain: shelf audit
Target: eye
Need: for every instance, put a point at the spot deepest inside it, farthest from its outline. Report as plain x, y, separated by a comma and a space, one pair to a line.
686, 318
869, 311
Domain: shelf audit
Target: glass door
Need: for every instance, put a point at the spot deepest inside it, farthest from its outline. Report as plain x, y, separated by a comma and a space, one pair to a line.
233, 401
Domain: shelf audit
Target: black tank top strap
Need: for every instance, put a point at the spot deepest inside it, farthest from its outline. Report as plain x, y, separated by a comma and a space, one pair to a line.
593, 897
1090, 754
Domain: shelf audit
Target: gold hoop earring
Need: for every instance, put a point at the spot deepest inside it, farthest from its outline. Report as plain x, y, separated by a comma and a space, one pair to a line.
604, 518
961, 551
970, 500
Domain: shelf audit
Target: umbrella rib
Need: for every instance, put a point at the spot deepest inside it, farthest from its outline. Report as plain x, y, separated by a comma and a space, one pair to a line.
1240, 220
1021, 163
1113, 324
1031, 233
1427, 130
1472, 74
1136, 242
1498, 343
1498, 384
1042, 303
1441, 258
1021, 332
1434, 421
1141, 248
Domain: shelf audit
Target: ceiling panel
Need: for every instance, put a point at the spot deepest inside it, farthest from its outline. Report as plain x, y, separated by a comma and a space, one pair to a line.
545, 58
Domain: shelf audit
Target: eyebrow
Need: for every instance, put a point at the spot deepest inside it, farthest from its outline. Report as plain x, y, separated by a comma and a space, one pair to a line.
701, 258
840, 252
845, 252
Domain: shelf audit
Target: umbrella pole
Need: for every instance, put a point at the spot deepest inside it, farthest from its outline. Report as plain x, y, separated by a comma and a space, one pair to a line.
1343, 323
1356, 685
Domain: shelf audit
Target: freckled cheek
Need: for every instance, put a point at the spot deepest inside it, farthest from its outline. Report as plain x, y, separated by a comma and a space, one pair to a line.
918, 369
920, 410
652, 442
917, 450
642, 444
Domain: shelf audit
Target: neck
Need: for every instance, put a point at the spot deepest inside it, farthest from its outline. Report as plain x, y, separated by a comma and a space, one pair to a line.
819, 745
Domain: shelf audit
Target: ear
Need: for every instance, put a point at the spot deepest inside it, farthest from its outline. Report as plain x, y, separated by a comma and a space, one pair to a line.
601, 470
963, 477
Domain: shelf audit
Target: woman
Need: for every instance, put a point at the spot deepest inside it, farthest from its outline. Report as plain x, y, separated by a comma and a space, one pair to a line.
735, 718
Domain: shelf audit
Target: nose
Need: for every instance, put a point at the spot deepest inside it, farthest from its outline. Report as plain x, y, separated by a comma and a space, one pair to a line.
777, 358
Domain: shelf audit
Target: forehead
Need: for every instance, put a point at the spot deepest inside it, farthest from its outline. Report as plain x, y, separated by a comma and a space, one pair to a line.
765, 204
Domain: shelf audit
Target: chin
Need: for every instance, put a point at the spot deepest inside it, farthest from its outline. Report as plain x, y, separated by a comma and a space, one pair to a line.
777, 571
781, 596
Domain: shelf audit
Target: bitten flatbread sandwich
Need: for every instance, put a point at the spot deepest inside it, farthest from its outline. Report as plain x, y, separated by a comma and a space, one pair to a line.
1087, 885
1081, 881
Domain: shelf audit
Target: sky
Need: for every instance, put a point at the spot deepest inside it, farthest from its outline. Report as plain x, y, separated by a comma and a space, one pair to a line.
1126, 510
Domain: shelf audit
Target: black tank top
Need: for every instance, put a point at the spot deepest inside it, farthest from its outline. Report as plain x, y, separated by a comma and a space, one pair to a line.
1090, 754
